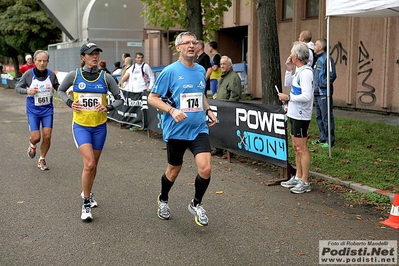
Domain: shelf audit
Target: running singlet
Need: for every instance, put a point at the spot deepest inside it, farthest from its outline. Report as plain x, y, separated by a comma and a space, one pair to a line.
40, 104
89, 93
185, 88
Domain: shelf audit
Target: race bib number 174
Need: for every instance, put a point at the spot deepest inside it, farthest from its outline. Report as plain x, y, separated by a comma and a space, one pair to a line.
191, 102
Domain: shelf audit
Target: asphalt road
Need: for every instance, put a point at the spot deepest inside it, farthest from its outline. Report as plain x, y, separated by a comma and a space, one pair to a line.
249, 223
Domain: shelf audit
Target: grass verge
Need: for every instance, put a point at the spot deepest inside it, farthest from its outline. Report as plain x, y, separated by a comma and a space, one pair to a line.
365, 152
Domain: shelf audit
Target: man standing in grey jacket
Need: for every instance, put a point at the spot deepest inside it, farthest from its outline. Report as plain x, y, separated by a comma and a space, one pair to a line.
229, 87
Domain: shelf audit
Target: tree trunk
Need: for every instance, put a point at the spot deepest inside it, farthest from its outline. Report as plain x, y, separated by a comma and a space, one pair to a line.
16, 66
269, 51
194, 18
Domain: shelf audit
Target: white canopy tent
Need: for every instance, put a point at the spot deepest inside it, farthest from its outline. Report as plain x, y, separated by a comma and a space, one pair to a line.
354, 8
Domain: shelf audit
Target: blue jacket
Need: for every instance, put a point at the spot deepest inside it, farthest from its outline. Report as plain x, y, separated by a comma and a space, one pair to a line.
320, 77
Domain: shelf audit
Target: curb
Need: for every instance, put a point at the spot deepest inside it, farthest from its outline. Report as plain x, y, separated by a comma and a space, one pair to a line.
355, 186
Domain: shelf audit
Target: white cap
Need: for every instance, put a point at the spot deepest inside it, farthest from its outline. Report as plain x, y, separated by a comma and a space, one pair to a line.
27, 57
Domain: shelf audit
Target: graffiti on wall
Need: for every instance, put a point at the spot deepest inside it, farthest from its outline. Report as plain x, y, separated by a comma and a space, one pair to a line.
367, 96
341, 54
367, 92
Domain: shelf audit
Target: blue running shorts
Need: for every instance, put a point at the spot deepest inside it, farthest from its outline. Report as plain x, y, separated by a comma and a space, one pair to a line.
90, 135
34, 122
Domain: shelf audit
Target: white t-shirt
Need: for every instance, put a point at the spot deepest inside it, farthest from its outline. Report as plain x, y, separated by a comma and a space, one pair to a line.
301, 104
139, 82
117, 72
311, 50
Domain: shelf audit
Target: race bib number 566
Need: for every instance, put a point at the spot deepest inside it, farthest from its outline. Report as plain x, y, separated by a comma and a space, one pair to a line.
89, 101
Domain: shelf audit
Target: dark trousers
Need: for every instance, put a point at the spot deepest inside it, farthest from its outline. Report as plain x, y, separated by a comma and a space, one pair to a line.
320, 103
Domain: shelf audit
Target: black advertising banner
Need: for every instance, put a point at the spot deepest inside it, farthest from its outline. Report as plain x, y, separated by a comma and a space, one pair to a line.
154, 119
256, 131
253, 130
132, 111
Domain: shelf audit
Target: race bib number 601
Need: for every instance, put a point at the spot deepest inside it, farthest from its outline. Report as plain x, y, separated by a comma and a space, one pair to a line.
42, 98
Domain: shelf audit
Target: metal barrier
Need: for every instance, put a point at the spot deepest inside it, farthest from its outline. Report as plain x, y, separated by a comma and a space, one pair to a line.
241, 70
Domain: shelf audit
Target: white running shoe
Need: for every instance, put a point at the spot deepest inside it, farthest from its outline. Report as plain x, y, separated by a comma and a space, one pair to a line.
291, 183
301, 187
31, 151
93, 202
199, 214
163, 209
86, 216
41, 164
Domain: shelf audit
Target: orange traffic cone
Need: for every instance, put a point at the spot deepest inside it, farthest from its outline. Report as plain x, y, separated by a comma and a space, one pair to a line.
393, 219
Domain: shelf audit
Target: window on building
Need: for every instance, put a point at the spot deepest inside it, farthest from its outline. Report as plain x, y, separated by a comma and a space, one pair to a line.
312, 9
287, 9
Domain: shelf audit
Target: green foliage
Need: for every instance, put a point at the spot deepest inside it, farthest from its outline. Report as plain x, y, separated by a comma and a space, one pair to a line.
26, 27
374, 199
164, 13
12, 73
169, 14
212, 16
365, 152
378, 198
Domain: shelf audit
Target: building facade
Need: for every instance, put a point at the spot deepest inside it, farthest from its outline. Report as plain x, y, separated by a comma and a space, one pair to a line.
365, 50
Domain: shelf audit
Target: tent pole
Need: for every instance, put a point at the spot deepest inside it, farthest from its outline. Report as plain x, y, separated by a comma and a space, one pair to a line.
328, 87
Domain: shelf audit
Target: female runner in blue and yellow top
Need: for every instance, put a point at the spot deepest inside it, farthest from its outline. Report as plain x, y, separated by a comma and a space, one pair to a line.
90, 88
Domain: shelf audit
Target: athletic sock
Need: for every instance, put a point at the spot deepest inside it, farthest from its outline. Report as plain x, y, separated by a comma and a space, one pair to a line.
201, 185
86, 200
166, 185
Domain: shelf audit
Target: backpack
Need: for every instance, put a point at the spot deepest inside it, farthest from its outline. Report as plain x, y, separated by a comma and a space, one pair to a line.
145, 76
314, 58
142, 68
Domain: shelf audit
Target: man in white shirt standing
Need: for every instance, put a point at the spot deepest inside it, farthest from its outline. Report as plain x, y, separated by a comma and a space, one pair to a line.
140, 76
126, 66
306, 37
